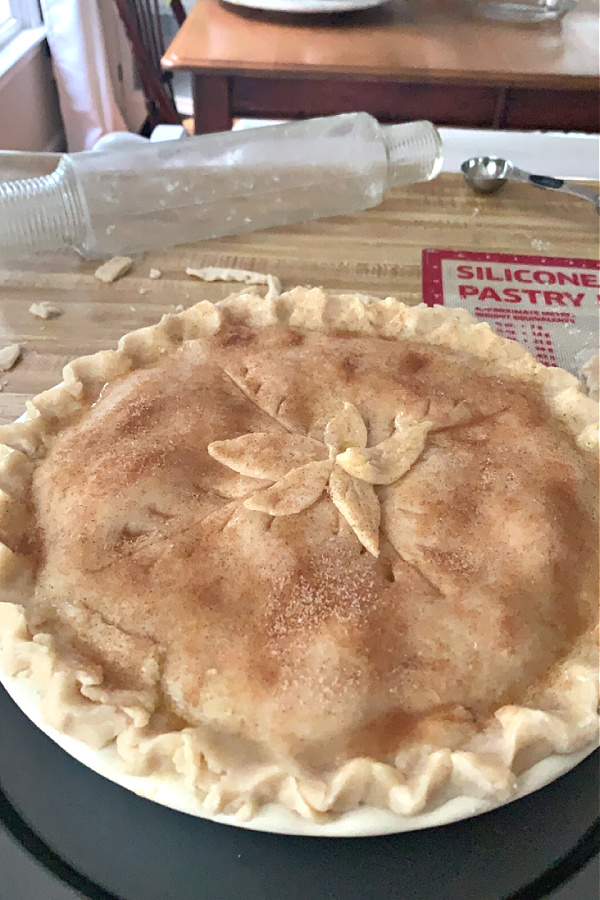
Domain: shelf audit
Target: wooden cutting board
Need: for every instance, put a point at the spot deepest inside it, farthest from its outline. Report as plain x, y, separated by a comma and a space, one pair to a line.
376, 252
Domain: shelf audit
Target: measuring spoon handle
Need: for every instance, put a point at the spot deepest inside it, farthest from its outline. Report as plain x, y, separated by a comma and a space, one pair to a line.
556, 184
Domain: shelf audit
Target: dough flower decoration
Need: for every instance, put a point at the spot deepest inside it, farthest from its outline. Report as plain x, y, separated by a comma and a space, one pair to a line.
301, 468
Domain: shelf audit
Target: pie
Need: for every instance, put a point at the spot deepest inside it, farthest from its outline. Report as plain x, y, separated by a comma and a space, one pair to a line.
319, 550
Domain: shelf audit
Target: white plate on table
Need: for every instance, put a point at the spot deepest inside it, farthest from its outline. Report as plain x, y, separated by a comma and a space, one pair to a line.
308, 6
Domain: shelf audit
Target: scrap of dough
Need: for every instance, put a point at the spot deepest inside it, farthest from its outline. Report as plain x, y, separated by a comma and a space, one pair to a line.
243, 276
114, 268
155, 274
45, 310
8, 356
590, 373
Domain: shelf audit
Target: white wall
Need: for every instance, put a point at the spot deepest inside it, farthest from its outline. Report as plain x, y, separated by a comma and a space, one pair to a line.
29, 112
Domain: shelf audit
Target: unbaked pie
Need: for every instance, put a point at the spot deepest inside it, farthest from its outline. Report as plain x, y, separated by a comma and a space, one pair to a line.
320, 550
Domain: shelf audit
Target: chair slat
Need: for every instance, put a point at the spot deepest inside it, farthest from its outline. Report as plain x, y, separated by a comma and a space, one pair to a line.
141, 20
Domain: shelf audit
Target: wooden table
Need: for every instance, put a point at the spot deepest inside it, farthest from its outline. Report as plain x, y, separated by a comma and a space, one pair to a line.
377, 251
404, 60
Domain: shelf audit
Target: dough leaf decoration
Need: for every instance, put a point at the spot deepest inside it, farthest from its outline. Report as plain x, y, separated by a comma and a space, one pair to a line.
302, 468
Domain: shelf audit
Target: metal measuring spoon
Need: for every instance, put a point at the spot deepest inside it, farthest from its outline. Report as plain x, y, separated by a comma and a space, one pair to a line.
486, 174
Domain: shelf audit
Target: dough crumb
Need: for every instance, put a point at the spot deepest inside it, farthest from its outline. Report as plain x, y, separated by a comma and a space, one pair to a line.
590, 375
45, 310
9, 356
243, 276
155, 274
143, 290
180, 307
113, 269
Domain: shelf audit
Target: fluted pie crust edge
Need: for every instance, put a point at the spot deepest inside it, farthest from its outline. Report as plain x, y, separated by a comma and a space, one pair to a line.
563, 720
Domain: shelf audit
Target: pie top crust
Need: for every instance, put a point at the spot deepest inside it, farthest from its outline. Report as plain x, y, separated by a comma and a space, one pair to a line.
321, 550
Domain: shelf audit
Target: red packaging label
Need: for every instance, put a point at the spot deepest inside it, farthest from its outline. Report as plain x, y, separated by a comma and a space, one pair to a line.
550, 305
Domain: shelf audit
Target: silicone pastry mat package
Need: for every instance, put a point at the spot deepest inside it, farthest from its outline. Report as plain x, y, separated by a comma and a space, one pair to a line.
548, 304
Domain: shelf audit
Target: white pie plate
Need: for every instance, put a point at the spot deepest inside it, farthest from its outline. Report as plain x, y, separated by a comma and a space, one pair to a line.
363, 822
308, 6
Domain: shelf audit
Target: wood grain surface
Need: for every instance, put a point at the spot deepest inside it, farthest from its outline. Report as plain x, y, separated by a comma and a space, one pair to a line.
377, 251
431, 39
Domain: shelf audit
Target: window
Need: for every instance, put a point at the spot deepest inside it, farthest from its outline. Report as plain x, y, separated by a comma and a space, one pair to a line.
16, 15
8, 22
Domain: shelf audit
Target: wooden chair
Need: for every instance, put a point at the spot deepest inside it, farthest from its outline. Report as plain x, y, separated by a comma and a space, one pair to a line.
141, 20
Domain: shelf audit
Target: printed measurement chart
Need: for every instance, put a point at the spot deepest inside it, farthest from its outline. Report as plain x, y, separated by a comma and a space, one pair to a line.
550, 305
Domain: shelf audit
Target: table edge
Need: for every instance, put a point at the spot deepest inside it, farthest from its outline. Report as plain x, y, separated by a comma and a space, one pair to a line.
410, 75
